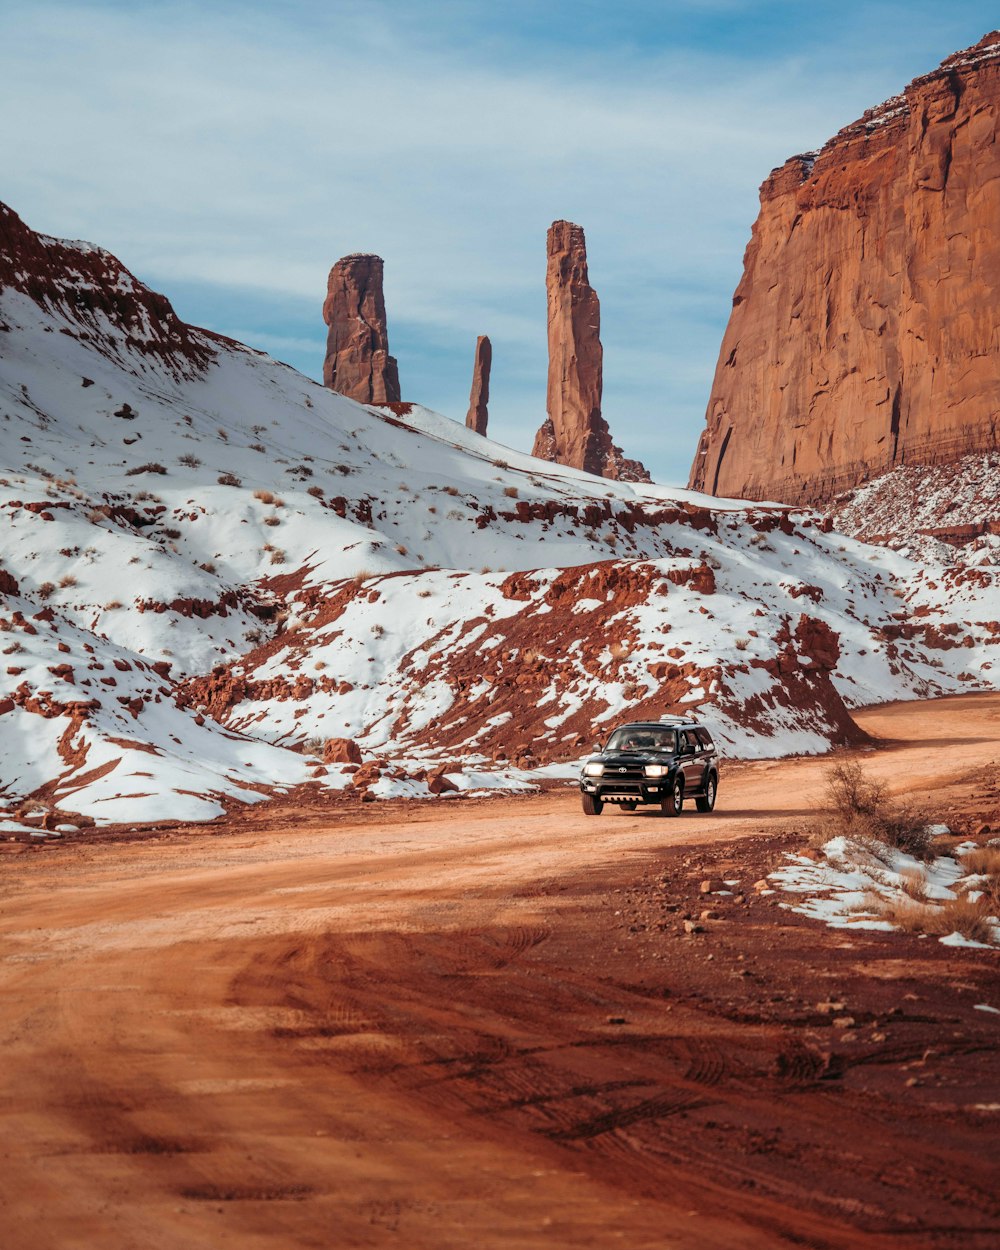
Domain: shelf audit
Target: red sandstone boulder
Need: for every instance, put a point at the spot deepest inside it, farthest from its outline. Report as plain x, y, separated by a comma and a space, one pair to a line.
357, 361
438, 783
863, 331
574, 432
477, 417
341, 751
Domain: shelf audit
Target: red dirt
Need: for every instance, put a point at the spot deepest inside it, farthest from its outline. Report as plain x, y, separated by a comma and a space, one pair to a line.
458, 1024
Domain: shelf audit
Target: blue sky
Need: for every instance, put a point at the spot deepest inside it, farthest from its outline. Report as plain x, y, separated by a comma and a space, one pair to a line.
229, 153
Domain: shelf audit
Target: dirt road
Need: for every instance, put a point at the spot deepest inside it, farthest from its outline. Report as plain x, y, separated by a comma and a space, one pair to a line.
482, 1024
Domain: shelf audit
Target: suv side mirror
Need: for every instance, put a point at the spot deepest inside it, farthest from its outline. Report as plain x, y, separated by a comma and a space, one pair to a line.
598, 748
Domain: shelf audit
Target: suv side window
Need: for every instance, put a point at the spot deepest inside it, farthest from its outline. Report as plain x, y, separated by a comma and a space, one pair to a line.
688, 741
705, 739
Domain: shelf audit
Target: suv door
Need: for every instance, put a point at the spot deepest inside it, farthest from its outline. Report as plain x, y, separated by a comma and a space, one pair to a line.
690, 760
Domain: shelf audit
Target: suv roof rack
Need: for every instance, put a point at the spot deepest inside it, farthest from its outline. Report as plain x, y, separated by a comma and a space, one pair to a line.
682, 719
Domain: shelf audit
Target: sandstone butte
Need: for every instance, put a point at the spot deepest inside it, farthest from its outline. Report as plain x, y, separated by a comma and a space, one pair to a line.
477, 418
357, 361
864, 331
574, 432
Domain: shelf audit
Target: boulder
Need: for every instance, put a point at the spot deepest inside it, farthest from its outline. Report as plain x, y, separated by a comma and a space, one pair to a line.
341, 751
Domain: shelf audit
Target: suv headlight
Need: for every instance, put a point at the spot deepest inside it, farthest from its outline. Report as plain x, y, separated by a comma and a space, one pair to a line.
656, 770
593, 770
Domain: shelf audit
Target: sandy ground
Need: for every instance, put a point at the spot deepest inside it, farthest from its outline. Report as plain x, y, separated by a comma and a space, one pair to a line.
464, 1023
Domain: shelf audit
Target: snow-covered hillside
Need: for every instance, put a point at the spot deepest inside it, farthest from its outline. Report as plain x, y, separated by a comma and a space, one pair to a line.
210, 563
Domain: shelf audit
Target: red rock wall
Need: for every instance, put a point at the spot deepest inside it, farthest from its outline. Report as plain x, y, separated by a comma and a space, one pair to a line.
865, 332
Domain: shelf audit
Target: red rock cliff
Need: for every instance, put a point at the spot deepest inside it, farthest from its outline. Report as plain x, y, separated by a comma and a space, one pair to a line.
864, 332
575, 433
357, 361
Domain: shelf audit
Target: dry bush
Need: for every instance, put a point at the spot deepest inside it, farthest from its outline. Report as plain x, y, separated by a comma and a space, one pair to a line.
171, 533
401, 549
257, 447
862, 810
378, 630
67, 580
265, 496
228, 479
189, 461
152, 467
272, 520
362, 575
208, 566
278, 556
984, 859
450, 490
13, 649
112, 605
315, 491
955, 915
510, 492
424, 594
741, 644
46, 590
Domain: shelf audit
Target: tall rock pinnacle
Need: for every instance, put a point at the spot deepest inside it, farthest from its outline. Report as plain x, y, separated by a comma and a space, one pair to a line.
575, 433
357, 361
477, 416
863, 334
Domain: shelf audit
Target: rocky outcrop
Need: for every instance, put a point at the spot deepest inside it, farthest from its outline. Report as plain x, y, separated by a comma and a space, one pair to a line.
574, 432
357, 361
477, 417
97, 300
864, 330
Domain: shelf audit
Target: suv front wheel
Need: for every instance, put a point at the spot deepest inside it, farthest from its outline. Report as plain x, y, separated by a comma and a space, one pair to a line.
672, 804
592, 805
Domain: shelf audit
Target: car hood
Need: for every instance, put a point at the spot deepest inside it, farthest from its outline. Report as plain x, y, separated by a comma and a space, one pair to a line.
623, 759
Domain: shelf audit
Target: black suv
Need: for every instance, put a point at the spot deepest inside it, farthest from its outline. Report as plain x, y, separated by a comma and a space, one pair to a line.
660, 762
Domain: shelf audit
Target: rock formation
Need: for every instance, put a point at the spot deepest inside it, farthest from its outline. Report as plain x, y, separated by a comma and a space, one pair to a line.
357, 361
864, 330
574, 432
479, 398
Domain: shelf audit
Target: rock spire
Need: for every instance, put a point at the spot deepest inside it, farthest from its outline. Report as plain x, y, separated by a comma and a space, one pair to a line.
357, 361
864, 329
575, 433
479, 398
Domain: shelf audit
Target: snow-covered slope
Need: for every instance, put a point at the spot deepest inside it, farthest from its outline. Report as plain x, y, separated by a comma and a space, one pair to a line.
210, 563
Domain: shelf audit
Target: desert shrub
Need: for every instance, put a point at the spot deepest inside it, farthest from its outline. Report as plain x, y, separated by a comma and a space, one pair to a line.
67, 580
208, 566
228, 479
378, 630
510, 492
741, 644
362, 575
970, 917
402, 549
272, 520
189, 461
222, 434
13, 649
984, 859
257, 447
171, 533
862, 810
112, 605
315, 491
278, 556
265, 496
46, 590
450, 490
152, 467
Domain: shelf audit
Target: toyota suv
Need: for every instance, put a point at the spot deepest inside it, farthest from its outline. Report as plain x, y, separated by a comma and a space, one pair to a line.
661, 762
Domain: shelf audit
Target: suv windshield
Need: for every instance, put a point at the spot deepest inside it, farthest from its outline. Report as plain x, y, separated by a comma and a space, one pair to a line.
639, 738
